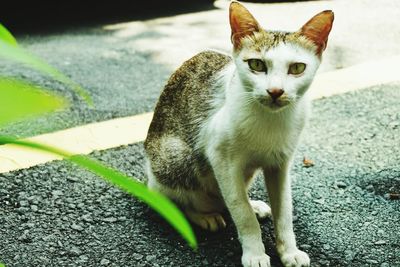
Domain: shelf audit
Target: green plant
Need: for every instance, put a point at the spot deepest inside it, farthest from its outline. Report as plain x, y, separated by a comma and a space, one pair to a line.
9, 49
21, 100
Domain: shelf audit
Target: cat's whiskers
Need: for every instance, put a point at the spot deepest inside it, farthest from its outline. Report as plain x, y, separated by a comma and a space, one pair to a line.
248, 98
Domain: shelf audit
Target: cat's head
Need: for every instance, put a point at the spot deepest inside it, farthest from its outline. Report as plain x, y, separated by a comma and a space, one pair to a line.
277, 68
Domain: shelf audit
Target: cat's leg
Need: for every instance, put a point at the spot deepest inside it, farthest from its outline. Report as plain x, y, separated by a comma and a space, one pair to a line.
279, 190
205, 210
261, 209
201, 208
230, 178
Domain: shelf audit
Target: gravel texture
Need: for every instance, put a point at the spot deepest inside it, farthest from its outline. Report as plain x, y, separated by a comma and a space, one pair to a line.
59, 215
346, 213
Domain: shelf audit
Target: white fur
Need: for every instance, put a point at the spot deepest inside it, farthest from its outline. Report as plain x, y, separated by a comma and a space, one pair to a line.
243, 135
245, 132
242, 125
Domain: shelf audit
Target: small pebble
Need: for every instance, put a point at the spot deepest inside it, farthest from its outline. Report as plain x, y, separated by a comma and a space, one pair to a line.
341, 184
30, 225
394, 124
137, 256
349, 255
305, 246
104, 262
83, 258
23, 203
72, 179
77, 227
370, 188
75, 251
324, 262
47, 238
34, 208
110, 219
319, 201
57, 193
380, 242
24, 238
150, 258
87, 218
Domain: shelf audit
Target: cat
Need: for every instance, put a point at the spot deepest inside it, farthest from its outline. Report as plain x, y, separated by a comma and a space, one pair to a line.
222, 118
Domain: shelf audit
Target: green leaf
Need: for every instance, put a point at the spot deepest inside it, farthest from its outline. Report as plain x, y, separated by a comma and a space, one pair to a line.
155, 200
16, 53
19, 100
2, 265
6, 36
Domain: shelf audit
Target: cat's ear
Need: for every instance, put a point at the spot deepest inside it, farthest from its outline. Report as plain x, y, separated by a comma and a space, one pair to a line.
317, 29
242, 23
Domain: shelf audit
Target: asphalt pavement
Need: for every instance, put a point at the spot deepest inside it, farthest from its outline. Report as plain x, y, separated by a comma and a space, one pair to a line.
120, 80
56, 214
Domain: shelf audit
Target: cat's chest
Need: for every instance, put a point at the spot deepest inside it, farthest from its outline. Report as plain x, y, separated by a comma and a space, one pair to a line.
265, 140
253, 137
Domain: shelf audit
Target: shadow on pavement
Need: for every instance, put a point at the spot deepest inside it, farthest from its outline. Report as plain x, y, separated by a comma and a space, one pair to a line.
42, 16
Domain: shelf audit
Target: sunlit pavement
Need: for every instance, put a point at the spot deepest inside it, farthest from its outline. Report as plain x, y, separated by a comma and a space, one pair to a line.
57, 215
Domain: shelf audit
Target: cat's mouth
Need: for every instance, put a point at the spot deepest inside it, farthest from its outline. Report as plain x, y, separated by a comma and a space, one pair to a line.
274, 104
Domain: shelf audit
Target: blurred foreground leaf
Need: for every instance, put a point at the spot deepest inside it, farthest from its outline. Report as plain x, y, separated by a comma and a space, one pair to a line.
7, 37
10, 50
19, 100
154, 199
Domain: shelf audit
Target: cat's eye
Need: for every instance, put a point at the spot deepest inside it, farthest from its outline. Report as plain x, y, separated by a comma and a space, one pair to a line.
257, 65
296, 68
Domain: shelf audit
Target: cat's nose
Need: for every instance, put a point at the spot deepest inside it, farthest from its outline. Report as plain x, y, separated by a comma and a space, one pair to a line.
275, 93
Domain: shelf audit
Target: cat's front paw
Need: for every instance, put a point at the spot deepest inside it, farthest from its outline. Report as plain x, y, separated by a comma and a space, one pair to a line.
261, 209
208, 221
255, 260
296, 258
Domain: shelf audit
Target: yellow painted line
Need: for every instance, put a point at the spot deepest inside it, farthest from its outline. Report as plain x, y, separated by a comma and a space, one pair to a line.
78, 140
356, 77
129, 130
